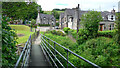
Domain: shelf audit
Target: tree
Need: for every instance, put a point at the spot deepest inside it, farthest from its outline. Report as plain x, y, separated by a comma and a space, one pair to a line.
20, 10
33, 24
117, 36
9, 37
56, 14
91, 21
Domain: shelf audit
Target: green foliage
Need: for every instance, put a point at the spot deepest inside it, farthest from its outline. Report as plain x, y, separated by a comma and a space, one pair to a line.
60, 33
65, 29
117, 36
43, 24
73, 33
90, 22
103, 51
109, 33
9, 38
83, 35
20, 10
56, 14
33, 23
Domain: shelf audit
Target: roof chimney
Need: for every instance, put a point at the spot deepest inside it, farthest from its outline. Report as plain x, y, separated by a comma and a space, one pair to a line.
113, 11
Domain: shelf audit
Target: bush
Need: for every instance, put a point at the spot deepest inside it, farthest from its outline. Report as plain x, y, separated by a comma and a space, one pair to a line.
43, 24
109, 33
104, 51
73, 33
83, 35
60, 33
9, 37
65, 29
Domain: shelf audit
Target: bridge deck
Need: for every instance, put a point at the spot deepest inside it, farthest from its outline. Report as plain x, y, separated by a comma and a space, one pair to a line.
37, 58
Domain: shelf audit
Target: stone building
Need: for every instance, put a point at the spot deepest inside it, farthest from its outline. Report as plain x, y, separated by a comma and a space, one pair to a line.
45, 19
69, 19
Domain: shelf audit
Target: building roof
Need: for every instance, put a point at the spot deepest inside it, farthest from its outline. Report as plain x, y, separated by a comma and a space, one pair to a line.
72, 12
47, 16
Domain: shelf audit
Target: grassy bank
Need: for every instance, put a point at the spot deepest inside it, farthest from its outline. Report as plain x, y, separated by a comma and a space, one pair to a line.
22, 30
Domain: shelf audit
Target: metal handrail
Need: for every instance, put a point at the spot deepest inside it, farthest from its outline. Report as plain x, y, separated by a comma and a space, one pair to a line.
25, 54
43, 38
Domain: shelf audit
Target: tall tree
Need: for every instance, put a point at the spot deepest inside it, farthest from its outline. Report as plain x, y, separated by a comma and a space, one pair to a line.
20, 10
91, 21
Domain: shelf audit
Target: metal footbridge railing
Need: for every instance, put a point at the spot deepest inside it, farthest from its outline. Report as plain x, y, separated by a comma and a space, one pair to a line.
53, 54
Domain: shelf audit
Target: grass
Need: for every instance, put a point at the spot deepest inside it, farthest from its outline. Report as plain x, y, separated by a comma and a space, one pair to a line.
22, 29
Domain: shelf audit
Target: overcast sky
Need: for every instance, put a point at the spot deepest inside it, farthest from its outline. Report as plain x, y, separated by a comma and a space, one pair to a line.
103, 5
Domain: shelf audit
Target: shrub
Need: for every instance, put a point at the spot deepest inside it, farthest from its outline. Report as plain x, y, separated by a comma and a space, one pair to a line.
65, 29
43, 24
9, 37
60, 33
73, 33
109, 33
104, 51
83, 35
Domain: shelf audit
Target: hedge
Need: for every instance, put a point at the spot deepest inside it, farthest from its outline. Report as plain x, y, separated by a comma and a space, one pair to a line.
109, 33
43, 24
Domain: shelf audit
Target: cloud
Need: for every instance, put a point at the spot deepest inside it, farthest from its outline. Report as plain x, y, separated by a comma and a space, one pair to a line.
62, 4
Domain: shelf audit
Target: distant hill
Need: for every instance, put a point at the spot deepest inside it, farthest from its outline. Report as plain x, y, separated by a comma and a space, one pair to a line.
50, 12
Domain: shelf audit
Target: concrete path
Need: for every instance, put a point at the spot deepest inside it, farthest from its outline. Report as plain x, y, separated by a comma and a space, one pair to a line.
37, 57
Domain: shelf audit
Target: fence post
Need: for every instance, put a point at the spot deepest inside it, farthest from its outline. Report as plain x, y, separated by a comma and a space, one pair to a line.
67, 58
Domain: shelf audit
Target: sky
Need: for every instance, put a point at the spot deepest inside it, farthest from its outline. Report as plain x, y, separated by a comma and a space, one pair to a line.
98, 5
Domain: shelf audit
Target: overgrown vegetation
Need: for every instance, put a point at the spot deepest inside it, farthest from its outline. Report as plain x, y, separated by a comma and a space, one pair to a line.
101, 51
65, 29
117, 36
9, 41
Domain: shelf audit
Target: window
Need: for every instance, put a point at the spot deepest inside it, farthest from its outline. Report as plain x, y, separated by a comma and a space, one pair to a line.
111, 26
44, 18
112, 17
